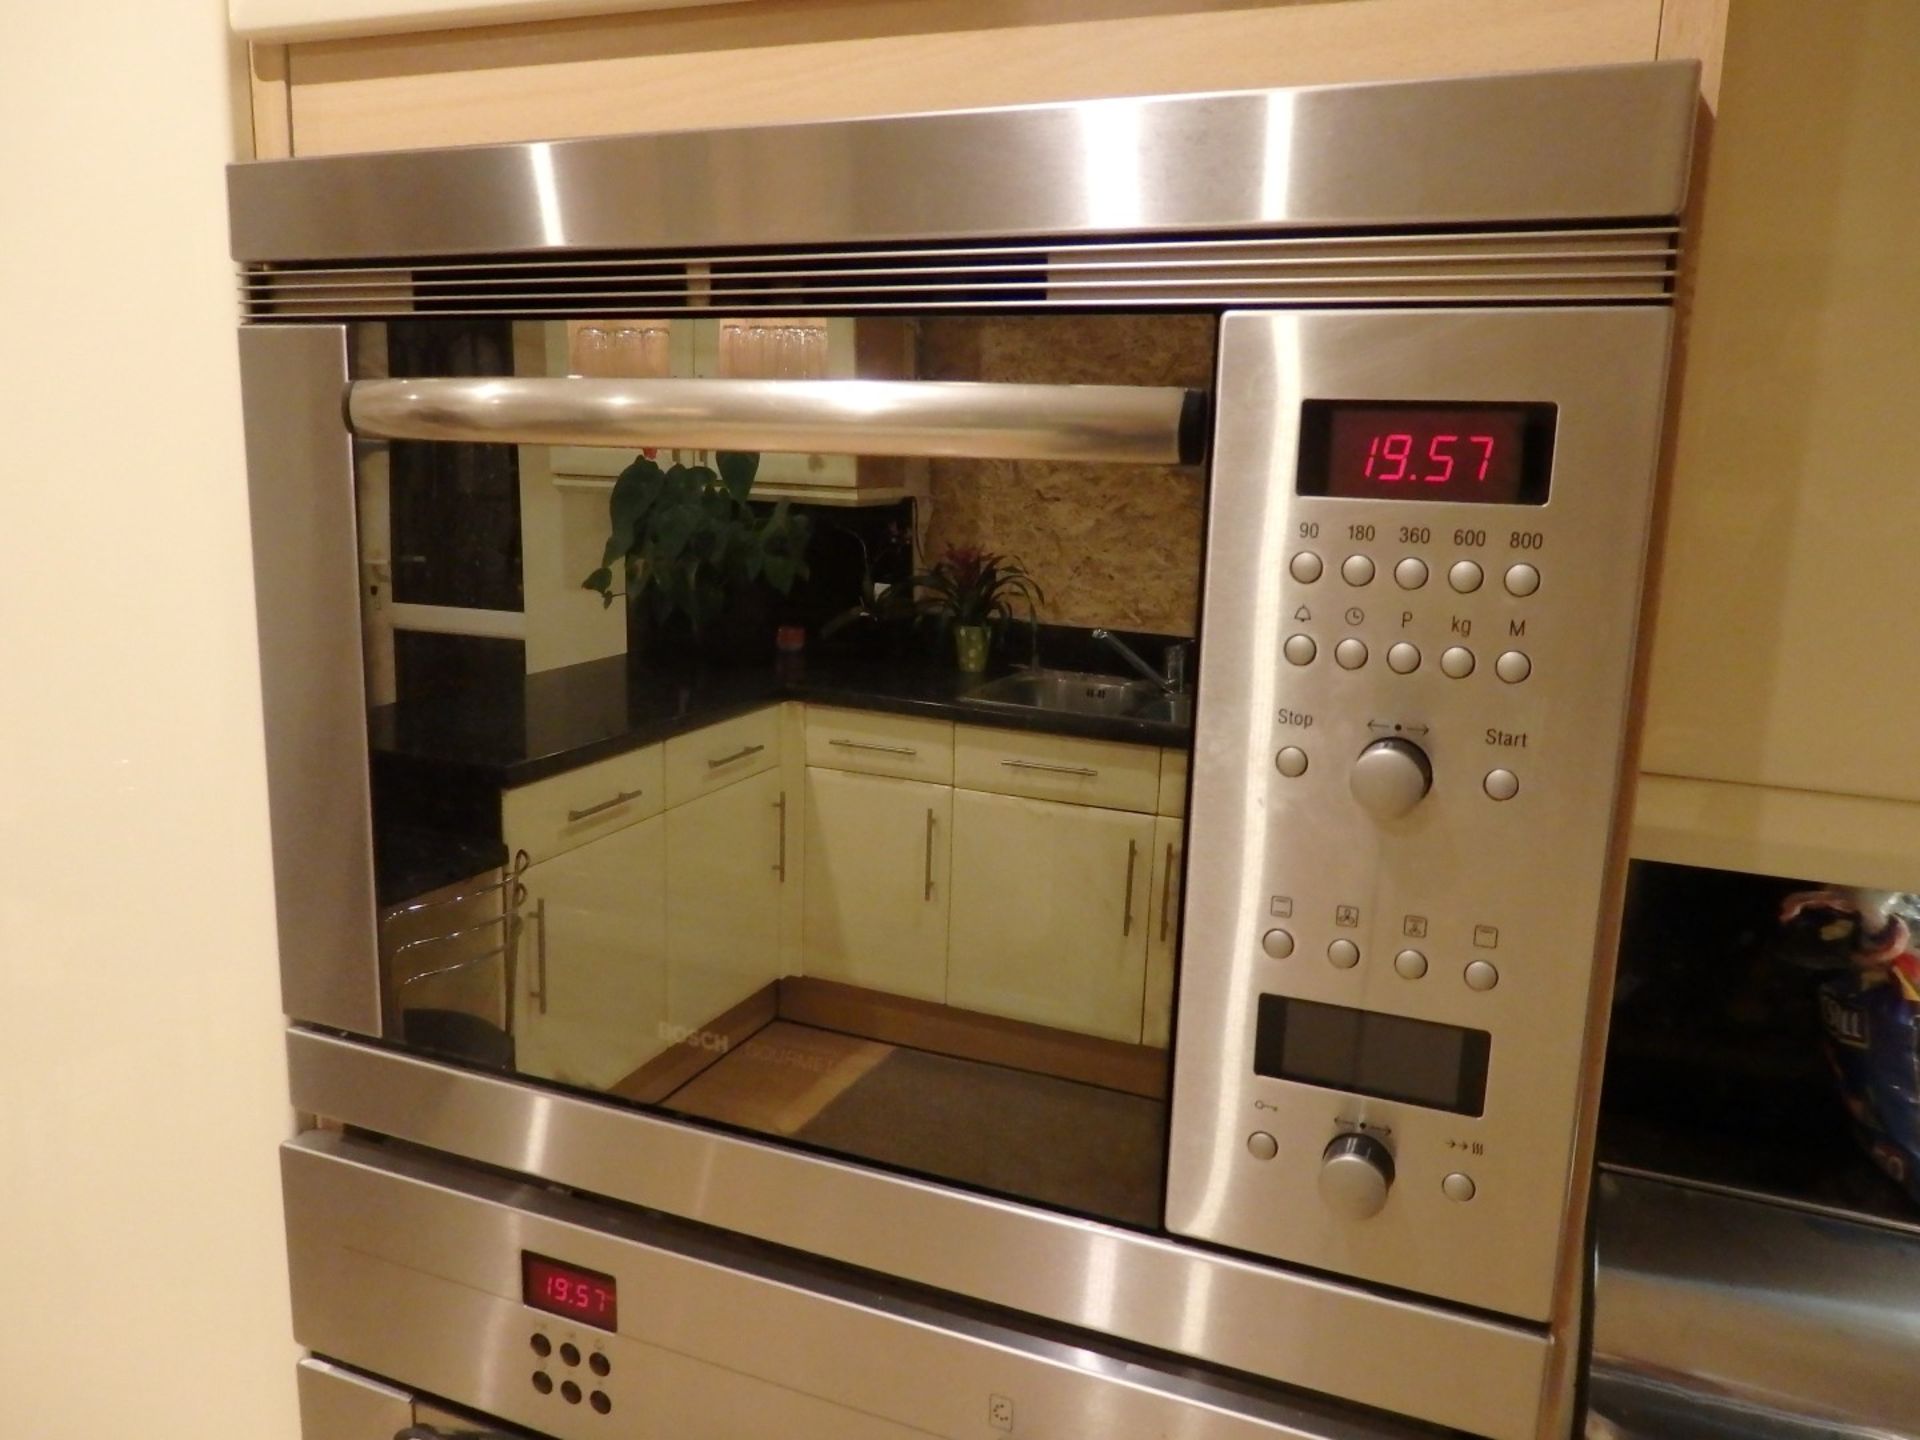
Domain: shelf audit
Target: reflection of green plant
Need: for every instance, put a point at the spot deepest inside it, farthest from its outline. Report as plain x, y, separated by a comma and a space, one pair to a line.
687, 539
968, 586
882, 607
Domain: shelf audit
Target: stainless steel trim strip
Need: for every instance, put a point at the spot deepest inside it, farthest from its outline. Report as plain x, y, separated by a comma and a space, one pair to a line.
968, 419
1447, 1366
1783, 1312
1518, 148
306, 583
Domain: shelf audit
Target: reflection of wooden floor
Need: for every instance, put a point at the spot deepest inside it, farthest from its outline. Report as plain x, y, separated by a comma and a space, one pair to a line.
1012, 1131
780, 1079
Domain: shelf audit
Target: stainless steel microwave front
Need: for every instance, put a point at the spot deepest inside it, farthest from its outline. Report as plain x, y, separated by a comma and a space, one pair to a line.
1423, 583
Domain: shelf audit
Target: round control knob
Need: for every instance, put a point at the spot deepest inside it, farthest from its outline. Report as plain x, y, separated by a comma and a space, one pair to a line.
1390, 778
1356, 1172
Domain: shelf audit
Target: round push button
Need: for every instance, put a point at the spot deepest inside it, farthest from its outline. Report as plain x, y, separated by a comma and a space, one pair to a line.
1262, 1146
1344, 954
1456, 662
1513, 666
1458, 1186
1277, 943
1350, 654
570, 1353
570, 1392
1403, 659
1410, 573
1465, 576
1300, 649
1305, 567
1522, 580
1291, 762
1410, 965
1501, 784
1357, 570
1481, 975
599, 1363
542, 1346
600, 1402
543, 1382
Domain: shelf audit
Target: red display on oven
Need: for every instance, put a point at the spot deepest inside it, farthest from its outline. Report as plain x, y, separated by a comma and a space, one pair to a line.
1401, 450
563, 1289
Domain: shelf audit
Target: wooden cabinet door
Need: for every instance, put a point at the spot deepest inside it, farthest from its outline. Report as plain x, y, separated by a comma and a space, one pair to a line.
591, 1006
724, 878
876, 902
1163, 930
1050, 912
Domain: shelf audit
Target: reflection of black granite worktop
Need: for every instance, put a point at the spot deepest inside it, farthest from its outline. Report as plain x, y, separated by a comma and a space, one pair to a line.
441, 758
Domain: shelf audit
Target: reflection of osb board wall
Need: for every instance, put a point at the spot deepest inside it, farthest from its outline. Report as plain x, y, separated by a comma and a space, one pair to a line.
1111, 545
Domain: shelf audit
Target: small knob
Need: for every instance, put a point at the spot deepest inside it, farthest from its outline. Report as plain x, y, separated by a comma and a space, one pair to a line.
1390, 778
1356, 1171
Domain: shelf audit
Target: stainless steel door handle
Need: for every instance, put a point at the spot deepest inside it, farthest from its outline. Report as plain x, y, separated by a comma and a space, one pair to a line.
1133, 860
742, 753
780, 810
870, 745
539, 995
1050, 769
1166, 896
621, 798
927, 893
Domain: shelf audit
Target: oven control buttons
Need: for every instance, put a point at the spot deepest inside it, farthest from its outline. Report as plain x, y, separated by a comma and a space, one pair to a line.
1390, 778
1356, 1172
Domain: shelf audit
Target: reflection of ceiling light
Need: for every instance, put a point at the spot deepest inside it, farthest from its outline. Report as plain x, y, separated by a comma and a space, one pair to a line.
1110, 150
553, 229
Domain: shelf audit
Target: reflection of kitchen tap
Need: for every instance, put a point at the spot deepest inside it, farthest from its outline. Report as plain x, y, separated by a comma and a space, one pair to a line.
1173, 681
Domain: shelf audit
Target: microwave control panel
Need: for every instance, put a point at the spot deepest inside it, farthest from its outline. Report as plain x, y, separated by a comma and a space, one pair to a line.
1425, 559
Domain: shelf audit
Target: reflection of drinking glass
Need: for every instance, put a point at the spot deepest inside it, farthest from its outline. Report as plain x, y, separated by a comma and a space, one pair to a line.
592, 351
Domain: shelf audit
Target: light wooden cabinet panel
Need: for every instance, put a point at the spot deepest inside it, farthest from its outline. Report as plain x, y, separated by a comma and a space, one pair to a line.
1163, 930
582, 806
1050, 913
877, 858
835, 58
907, 747
1056, 767
1173, 783
711, 758
723, 898
592, 1001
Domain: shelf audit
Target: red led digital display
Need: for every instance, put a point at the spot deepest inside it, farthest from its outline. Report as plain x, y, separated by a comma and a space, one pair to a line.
1484, 454
563, 1289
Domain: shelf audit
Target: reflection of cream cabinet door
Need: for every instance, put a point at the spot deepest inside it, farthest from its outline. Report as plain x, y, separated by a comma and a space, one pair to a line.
876, 895
725, 869
1050, 919
592, 1001
1163, 931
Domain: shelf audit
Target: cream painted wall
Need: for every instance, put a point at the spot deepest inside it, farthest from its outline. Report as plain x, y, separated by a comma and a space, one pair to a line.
141, 1079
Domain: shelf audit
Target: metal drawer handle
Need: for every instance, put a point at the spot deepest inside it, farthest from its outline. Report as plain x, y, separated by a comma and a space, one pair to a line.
870, 745
1133, 859
1166, 896
927, 894
539, 995
620, 799
1050, 769
780, 810
739, 754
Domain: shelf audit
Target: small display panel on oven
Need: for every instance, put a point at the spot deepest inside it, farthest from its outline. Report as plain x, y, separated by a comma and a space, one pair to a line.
569, 1290
1413, 450
1389, 1056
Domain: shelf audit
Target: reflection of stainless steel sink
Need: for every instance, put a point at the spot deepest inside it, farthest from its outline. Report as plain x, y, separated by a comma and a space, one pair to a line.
1168, 709
1069, 692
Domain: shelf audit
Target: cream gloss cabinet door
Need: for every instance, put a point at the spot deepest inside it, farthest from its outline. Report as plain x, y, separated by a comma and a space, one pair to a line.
726, 854
592, 1002
876, 905
1163, 930
1050, 919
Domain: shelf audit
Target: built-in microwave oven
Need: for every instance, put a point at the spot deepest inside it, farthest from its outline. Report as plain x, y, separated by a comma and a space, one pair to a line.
983, 745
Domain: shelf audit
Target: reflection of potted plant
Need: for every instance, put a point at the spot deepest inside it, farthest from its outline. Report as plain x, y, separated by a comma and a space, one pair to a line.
974, 591
695, 555
884, 611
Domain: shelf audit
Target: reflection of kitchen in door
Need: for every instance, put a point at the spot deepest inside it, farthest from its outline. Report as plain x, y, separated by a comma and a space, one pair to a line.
850, 893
